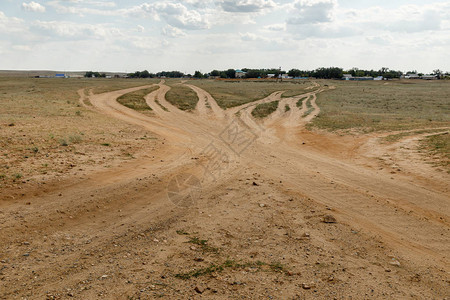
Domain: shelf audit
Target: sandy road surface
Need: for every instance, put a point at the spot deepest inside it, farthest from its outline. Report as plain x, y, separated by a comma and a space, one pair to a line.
229, 206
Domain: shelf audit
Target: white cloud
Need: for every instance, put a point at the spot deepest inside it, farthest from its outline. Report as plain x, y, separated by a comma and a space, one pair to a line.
71, 30
172, 32
22, 47
175, 14
11, 25
248, 36
312, 11
33, 7
324, 31
199, 3
380, 40
246, 6
89, 2
418, 21
276, 27
140, 28
146, 43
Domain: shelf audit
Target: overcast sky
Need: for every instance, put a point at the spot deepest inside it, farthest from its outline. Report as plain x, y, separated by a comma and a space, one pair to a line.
189, 35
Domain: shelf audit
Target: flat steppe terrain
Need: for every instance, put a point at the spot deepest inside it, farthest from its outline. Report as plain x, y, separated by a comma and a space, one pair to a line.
142, 189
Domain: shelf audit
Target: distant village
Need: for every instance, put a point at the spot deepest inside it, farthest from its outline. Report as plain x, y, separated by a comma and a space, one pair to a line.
278, 74
405, 76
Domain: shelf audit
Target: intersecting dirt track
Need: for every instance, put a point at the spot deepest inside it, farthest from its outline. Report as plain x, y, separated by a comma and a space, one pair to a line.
228, 206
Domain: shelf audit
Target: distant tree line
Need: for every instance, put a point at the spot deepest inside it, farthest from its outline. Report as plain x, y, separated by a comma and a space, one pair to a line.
147, 74
322, 73
91, 74
385, 72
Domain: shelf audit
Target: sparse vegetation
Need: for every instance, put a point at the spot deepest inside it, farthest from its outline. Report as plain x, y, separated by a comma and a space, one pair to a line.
231, 264
300, 102
182, 232
203, 245
264, 109
309, 108
384, 106
438, 145
43, 116
233, 93
398, 136
160, 105
35, 150
109, 85
75, 139
182, 97
287, 108
135, 100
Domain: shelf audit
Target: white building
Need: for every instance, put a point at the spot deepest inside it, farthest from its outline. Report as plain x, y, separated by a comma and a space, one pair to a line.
240, 74
347, 76
412, 76
429, 77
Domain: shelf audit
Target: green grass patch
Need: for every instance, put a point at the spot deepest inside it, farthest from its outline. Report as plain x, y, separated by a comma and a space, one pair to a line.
160, 105
182, 97
205, 247
135, 100
300, 102
287, 108
309, 108
182, 232
234, 93
264, 109
200, 272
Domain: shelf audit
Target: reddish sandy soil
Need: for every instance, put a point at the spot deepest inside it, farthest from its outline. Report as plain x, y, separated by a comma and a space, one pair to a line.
227, 206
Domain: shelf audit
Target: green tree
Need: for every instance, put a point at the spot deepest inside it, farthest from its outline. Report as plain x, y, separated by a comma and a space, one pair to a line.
438, 73
295, 73
91, 74
328, 73
198, 74
231, 73
214, 73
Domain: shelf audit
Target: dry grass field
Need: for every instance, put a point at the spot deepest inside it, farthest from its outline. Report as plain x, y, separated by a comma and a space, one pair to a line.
144, 189
46, 132
413, 107
384, 106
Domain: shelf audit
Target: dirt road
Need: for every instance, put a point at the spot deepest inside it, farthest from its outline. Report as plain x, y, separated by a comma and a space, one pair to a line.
227, 206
